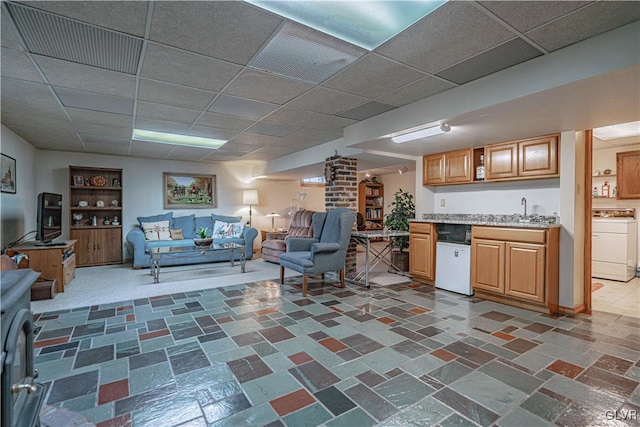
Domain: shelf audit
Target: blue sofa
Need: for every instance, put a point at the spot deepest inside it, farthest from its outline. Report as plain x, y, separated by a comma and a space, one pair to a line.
188, 224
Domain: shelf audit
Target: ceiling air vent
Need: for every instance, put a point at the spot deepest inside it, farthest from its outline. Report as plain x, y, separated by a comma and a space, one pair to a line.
62, 38
493, 60
94, 101
305, 54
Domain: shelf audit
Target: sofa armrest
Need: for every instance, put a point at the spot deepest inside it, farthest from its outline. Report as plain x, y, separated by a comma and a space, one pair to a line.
299, 244
137, 240
249, 234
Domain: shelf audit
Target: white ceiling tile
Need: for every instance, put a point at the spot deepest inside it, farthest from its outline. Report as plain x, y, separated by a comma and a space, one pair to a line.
155, 111
367, 110
9, 37
209, 132
224, 121
295, 117
253, 139
10, 119
229, 30
84, 77
110, 149
172, 94
188, 69
526, 15
595, 19
100, 118
151, 149
333, 124
266, 87
450, 34
105, 140
247, 108
51, 139
86, 100
373, 76
325, 100
264, 128
16, 64
415, 91
110, 131
30, 99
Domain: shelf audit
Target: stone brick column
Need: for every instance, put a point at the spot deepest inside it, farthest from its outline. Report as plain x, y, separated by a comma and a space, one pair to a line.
342, 192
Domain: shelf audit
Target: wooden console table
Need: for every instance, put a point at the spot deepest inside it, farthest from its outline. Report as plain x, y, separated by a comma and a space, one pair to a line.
54, 262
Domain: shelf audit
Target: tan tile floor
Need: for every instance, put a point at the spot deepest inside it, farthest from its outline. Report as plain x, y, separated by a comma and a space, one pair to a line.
617, 297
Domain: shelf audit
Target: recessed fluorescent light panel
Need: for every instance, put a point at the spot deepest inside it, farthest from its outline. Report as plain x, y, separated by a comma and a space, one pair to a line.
175, 139
412, 135
623, 130
367, 24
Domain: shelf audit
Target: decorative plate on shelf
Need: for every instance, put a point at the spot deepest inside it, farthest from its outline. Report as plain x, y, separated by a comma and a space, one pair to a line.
607, 172
99, 181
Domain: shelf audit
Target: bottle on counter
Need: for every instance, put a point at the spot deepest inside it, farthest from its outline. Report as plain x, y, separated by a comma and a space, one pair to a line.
595, 192
606, 189
480, 169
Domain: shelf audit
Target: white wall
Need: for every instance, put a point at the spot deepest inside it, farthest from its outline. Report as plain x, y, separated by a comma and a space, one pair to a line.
543, 197
394, 182
18, 211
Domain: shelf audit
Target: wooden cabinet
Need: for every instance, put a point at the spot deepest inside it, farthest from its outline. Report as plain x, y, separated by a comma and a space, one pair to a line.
524, 159
458, 166
96, 193
538, 156
628, 174
501, 161
371, 204
433, 169
422, 251
516, 266
54, 262
447, 168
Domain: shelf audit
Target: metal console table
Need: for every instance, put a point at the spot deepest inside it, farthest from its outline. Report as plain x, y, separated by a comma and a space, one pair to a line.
364, 238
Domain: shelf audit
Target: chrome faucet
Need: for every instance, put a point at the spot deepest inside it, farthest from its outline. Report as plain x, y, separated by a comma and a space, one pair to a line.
524, 202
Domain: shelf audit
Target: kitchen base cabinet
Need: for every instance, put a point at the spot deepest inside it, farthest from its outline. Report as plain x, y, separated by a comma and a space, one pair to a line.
516, 266
98, 245
422, 252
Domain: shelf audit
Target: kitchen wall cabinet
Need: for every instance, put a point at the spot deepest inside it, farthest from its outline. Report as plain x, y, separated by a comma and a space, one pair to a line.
422, 251
516, 266
628, 171
433, 170
96, 192
447, 168
525, 159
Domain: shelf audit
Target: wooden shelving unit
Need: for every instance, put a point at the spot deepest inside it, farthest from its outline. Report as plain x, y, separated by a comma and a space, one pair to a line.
371, 204
101, 190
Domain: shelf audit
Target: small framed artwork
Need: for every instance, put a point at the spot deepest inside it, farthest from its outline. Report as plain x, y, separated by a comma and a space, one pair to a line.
189, 191
78, 181
8, 174
115, 182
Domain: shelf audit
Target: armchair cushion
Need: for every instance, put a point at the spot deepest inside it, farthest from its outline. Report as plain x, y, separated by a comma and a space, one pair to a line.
317, 248
275, 243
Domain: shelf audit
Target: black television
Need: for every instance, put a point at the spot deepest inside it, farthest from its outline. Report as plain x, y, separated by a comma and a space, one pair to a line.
49, 217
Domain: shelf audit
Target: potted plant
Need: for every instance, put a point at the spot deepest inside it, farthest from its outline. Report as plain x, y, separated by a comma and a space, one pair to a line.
402, 210
202, 239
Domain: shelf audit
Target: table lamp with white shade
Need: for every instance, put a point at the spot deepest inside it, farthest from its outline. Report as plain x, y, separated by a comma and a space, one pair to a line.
273, 216
250, 197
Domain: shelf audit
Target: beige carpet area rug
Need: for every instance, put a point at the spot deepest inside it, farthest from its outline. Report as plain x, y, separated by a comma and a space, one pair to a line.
115, 283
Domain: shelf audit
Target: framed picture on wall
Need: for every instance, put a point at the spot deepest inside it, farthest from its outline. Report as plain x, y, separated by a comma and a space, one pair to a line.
78, 180
189, 191
8, 174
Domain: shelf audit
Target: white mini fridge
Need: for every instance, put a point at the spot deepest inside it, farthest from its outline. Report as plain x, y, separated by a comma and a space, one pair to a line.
453, 267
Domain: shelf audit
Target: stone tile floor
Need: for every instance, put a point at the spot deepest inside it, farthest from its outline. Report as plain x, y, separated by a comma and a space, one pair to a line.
407, 354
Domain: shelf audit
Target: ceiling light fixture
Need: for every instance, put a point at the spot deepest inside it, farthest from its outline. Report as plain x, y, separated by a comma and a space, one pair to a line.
367, 24
175, 139
420, 133
402, 170
623, 130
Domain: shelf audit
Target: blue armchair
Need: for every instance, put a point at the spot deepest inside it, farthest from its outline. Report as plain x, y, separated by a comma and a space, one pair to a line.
323, 253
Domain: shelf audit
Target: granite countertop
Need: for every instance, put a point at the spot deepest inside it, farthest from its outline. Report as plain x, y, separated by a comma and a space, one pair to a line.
514, 220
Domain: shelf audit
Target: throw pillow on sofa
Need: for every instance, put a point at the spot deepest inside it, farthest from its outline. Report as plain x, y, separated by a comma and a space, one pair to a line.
176, 234
185, 223
224, 218
155, 218
223, 230
156, 230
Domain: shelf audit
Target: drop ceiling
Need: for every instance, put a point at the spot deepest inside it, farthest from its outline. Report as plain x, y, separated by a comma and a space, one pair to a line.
80, 76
